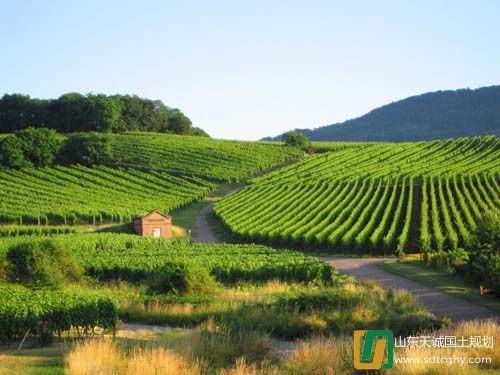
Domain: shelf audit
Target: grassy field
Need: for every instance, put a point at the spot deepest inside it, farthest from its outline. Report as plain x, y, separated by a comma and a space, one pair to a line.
212, 349
417, 271
33, 361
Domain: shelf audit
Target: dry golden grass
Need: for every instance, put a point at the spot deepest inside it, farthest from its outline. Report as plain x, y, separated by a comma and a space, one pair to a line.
333, 356
242, 367
197, 353
321, 356
159, 361
95, 357
466, 329
104, 357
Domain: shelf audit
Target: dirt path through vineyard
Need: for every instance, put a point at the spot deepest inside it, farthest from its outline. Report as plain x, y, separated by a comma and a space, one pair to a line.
202, 230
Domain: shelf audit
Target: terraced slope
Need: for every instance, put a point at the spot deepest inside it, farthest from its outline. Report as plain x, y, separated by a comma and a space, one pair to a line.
92, 195
203, 157
378, 198
388, 160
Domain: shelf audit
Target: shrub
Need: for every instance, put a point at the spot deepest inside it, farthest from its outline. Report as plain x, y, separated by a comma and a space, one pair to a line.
318, 300
484, 255
414, 324
295, 139
41, 263
181, 278
452, 261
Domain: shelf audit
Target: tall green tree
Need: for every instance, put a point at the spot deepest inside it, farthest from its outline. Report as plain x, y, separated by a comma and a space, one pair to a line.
11, 153
86, 149
15, 112
295, 139
178, 122
40, 146
484, 254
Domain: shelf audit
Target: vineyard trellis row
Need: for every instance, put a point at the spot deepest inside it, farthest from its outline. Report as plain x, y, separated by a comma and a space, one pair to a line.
111, 255
24, 309
378, 198
69, 195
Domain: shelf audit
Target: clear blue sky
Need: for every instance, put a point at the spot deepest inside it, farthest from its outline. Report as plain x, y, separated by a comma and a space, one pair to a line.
245, 70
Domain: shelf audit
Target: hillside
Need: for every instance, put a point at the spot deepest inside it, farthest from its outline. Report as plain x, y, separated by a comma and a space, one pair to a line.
128, 175
380, 198
203, 157
434, 115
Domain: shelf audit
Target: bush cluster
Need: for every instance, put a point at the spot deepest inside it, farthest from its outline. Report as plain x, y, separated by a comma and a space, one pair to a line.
41, 264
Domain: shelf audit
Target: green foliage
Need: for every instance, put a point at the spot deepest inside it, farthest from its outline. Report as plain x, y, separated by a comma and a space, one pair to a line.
32, 230
181, 278
17, 112
484, 254
77, 194
205, 158
320, 299
11, 153
74, 112
178, 122
414, 324
87, 149
179, 155
452, 261
445, 158
135, 259
27, 147
295, 139
22, 309
377, 198
143, 114
40, 146
41, 263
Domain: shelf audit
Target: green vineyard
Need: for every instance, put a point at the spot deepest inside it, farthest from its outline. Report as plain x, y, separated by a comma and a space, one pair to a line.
70, 195
378, 198
133, 258
379, 160
203, 157
23, 309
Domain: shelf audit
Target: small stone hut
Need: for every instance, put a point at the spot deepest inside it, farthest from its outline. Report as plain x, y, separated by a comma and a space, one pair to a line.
154, 224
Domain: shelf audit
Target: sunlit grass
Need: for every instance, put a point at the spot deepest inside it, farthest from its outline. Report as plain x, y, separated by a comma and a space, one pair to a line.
412, 268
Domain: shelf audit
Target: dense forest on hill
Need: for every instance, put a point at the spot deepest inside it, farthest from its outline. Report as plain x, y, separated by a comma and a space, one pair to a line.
74, 112
434, 115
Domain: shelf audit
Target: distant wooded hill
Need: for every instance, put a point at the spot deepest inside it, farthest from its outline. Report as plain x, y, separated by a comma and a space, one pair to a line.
434, 115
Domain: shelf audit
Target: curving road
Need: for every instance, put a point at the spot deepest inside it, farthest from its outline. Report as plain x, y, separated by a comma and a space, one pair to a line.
439, 303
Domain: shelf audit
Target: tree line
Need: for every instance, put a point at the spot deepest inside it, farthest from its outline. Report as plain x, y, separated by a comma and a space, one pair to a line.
42, 147
74, 112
